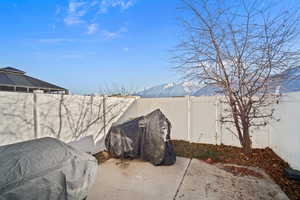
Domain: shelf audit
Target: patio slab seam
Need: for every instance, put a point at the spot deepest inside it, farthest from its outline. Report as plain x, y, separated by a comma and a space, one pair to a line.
182, 179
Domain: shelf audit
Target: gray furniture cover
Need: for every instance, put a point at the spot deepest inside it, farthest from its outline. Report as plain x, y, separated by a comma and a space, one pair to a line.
146, 137
45, 169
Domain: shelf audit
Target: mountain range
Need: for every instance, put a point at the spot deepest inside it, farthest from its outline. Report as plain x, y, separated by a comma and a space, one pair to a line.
189, 88
171, 90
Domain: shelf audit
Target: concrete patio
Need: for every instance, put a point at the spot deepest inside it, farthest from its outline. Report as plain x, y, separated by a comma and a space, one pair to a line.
187, 179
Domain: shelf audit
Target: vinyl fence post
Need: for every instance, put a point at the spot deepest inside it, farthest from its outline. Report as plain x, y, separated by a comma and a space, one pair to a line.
104, 115
220, 118
35, 116
217, 119
189, 118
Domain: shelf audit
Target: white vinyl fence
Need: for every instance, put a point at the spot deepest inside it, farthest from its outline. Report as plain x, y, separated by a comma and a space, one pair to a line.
285, 130
25, 116
197, 119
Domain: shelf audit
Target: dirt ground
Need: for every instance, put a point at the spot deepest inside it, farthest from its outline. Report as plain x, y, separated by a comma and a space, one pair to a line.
265, 159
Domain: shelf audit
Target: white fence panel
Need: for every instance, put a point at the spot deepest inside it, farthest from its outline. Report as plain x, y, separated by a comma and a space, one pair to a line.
285, 131
174, 109
196, 119
26, 116
16, 117
203, 118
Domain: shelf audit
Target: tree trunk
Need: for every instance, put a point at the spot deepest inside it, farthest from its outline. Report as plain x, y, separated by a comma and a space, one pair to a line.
246, 143
243, 132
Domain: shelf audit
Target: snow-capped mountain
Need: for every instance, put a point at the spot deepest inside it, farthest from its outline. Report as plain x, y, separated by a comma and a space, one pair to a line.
208, 90
290, 84
171, 90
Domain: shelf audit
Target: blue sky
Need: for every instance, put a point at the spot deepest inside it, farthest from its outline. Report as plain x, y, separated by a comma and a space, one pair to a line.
87, 44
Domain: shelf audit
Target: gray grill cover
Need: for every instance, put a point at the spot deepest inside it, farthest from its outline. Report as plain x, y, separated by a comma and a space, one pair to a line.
146, 137
45, 169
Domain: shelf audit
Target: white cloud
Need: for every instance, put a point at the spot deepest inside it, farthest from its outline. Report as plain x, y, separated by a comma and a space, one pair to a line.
106, 4
85, 13
76, 10
75, 5
92, 28
71, 20
108, 34
111, 35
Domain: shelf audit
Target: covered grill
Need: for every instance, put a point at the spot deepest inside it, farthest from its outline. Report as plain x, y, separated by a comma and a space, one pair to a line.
146, 137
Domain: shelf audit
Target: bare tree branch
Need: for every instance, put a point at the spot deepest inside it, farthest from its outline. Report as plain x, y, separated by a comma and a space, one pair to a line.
244, 48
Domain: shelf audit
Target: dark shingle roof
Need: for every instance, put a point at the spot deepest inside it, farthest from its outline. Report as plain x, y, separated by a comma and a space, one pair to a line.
12, 70
14, 77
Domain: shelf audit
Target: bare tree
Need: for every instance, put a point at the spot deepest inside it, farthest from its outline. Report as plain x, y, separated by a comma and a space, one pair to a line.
115, 89
243, 48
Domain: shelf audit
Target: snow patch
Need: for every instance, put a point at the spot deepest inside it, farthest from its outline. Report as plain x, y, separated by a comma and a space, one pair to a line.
169, 85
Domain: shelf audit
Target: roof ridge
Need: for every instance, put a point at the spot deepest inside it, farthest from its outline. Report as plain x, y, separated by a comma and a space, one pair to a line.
12, 69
